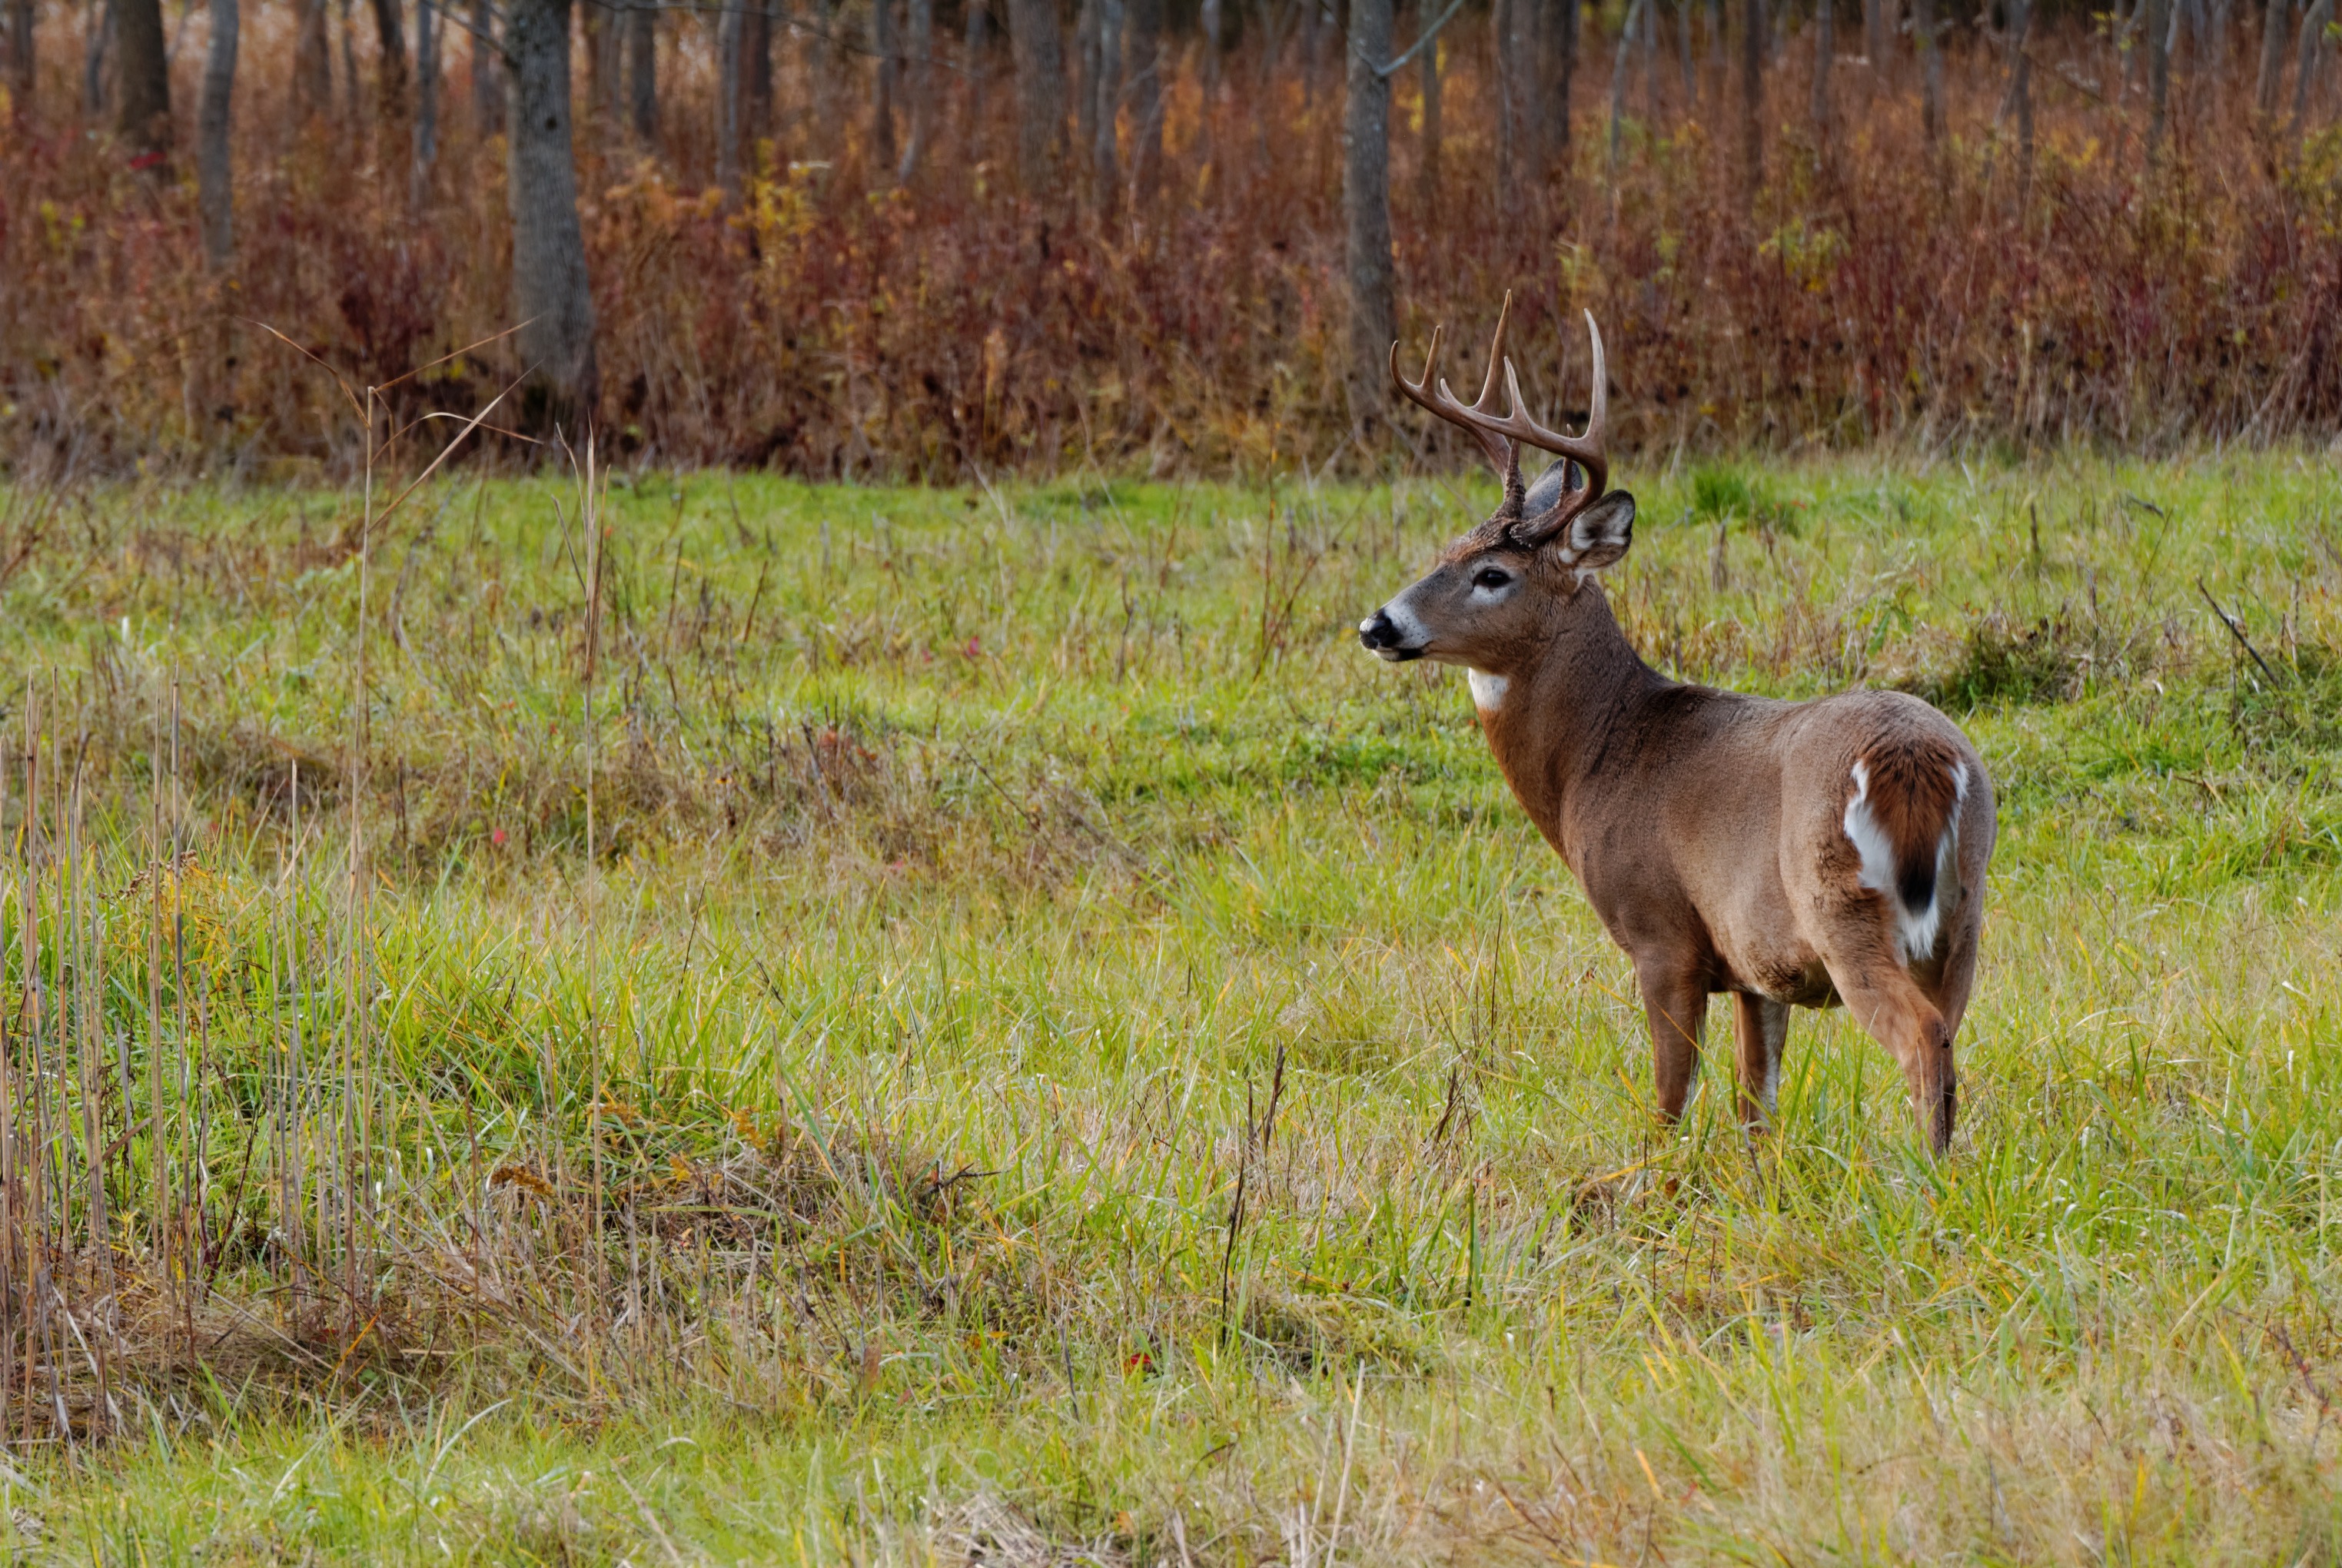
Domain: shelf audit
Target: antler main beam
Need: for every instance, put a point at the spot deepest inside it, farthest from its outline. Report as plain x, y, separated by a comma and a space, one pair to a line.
1502, 436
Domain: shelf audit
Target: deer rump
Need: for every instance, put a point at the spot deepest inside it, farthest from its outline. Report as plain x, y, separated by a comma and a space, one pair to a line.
1902, 819
1788, 851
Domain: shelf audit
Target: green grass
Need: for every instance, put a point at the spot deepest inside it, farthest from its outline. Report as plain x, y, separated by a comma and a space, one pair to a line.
942, 939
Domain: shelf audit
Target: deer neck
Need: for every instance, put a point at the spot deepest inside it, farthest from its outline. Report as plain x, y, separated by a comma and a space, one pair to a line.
1555, 718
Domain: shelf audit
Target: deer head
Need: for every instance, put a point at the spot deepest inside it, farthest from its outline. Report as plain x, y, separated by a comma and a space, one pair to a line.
1500, 593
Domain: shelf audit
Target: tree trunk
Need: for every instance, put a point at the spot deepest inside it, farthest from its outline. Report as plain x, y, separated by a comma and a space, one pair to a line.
1209, 24
882, 98
215, 176
551, 291
1146, 57
727, 97
1500, 42
756, 78
1651, 56
1752, 102
1086, 75
1929, 43
1310, 23
353, 112
426, 93
2158, 75
919, 47
1524, 66
1626, 34
1562, 24
599, 18
1105, 167
974, 49
143, 116
822, 66
2020, 89
20, 54
642, 74
97, 50
1427, 172
1683, 48
610, 60
390, 64
1825, 55
487, 72
1365, 202
1274, 22
2272, 70
312, 60
1332, 30
2185, 44
1040, 89
2310, 61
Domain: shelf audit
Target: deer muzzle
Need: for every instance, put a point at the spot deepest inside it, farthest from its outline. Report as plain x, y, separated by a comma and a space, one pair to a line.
1389, 639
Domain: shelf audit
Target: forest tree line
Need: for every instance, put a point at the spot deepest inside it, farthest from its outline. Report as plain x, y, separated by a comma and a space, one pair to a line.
1116, 128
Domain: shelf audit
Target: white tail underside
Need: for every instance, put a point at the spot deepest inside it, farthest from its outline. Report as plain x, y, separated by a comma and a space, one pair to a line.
1915, 930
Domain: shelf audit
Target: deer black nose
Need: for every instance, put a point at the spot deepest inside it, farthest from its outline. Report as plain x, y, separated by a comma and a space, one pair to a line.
1380, 635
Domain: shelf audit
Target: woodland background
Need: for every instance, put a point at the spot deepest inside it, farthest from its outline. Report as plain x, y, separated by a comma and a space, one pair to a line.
927, 239
637, 1011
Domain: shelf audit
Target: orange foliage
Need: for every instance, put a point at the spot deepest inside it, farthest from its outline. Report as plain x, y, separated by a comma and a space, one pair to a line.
829, 322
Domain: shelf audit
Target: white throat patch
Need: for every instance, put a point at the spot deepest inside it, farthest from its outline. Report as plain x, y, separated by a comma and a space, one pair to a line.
1488, 690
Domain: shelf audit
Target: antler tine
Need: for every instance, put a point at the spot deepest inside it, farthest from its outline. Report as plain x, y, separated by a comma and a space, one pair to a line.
1415, 389
1486, 403
1432, 393
1597, 415
1498, 434
1589, 451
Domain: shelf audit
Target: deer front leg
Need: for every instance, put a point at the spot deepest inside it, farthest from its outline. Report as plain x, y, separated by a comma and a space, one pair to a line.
1676, 999
1763, 1028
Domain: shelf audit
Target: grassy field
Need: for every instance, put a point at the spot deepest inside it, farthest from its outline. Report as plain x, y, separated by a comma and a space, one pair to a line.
1006, 1038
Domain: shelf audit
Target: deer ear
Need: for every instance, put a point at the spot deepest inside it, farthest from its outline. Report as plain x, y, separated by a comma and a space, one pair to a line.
1600, 536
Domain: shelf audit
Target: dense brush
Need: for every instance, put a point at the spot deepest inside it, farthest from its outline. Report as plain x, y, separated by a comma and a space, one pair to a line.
827, 321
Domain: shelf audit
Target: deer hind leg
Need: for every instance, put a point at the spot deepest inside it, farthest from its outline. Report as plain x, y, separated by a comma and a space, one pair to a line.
1676, 1000
1900, 1015
1948, 984
1762, 1027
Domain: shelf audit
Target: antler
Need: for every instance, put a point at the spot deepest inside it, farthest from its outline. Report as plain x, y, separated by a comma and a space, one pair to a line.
1501, 436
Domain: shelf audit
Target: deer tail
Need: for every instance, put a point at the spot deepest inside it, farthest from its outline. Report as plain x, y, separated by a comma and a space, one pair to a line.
1904, 821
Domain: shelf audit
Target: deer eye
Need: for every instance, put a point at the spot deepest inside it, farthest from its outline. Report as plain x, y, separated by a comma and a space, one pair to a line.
1491, 578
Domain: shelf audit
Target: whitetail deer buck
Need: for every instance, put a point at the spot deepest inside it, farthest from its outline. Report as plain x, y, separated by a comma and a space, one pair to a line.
1792, 854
